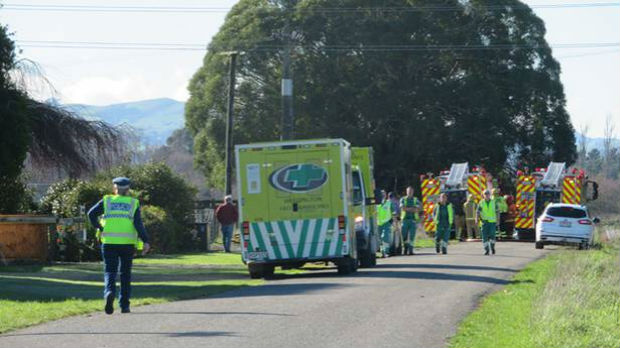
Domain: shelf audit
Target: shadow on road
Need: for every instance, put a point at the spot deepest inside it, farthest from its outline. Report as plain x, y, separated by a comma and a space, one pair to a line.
439, 266
398, 271
169, 334
433, 276
212, 313
275, 289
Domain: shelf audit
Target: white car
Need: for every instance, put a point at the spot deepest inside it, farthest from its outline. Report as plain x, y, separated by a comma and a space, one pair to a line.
565, 224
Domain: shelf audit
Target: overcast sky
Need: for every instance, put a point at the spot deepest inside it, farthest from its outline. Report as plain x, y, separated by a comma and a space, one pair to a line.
591, 76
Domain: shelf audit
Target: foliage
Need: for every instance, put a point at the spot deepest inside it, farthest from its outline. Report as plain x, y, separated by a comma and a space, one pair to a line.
14, 137
607, 204
420, 109
568, 299
156, 184
33, 295
167, 201
52, 136
163, 231
64, 198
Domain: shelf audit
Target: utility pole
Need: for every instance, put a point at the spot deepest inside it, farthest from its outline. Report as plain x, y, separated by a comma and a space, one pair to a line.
229, 121
288, 118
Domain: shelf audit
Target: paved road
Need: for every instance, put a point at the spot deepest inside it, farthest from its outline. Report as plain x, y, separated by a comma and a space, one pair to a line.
407, 301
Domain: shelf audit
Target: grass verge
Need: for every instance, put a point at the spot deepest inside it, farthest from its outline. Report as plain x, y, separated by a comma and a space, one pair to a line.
31, 295
569, 299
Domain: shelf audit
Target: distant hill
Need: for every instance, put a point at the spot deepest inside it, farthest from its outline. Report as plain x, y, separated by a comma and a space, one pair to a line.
154, 119
596, 143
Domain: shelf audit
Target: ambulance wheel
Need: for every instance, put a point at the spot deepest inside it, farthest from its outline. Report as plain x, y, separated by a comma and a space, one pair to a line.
539, 245
256, 271
347, 265
268, 271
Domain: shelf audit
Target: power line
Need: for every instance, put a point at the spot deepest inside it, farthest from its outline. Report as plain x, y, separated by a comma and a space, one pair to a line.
266, 47
185, 9
590, 54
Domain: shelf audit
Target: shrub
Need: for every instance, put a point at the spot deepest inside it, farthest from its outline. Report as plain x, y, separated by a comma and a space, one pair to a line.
162, 229
167, 201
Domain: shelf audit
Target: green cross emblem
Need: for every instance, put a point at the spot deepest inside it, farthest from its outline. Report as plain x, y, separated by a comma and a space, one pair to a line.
304, 175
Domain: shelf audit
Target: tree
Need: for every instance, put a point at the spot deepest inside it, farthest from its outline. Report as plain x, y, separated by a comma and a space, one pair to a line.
609, 131
425, 87
51, 136
583, 144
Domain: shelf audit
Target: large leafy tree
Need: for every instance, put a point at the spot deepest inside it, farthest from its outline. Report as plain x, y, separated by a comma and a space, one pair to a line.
52, 136
424, 85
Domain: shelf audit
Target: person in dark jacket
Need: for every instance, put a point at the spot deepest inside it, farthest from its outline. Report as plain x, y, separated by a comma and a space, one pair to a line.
227, 214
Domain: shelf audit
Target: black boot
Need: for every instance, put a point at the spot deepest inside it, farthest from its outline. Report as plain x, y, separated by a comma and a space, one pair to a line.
493, 248
109, 304
444, 250
437, 248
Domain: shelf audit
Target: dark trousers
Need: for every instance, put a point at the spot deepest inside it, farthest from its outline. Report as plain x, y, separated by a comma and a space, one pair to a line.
227, 234
112, 255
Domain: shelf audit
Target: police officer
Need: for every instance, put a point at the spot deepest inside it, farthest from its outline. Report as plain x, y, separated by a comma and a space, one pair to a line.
487, 215
384, 221
121, 227
444, 218
409, 215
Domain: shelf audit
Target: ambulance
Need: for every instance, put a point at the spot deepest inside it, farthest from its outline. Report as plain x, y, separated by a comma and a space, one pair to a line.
298, 203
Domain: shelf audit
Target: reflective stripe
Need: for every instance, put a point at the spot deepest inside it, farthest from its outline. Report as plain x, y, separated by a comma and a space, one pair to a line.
117, 216
119, 235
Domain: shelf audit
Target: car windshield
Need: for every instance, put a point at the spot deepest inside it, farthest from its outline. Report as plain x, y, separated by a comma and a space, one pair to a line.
566, 212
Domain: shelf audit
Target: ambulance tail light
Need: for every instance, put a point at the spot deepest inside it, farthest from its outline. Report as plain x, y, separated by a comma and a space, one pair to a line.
341, 222
246, 228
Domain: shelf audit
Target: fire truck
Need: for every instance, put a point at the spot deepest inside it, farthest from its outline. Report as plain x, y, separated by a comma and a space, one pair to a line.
554, 184
456, 183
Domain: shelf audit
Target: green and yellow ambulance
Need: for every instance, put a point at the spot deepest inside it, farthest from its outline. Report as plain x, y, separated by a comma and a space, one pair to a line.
296, 204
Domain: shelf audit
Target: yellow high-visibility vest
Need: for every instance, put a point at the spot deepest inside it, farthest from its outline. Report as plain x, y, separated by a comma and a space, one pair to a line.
488, 210
118, 215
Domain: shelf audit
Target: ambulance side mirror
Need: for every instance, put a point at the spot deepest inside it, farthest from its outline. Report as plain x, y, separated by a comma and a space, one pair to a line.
377, 198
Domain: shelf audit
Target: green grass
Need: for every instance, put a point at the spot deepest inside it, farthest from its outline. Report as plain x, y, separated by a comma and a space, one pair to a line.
569, 299
31, 295
192, 259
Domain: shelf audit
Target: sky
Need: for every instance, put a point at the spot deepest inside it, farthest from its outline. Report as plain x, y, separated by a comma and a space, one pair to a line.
591, 76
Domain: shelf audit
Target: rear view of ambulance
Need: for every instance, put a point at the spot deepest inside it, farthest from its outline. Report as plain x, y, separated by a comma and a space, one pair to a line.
295, 205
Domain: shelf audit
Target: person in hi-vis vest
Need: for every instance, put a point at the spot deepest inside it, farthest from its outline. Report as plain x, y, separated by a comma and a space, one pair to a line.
487, 217
120, 229
409, 215
443, 216
384, 222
